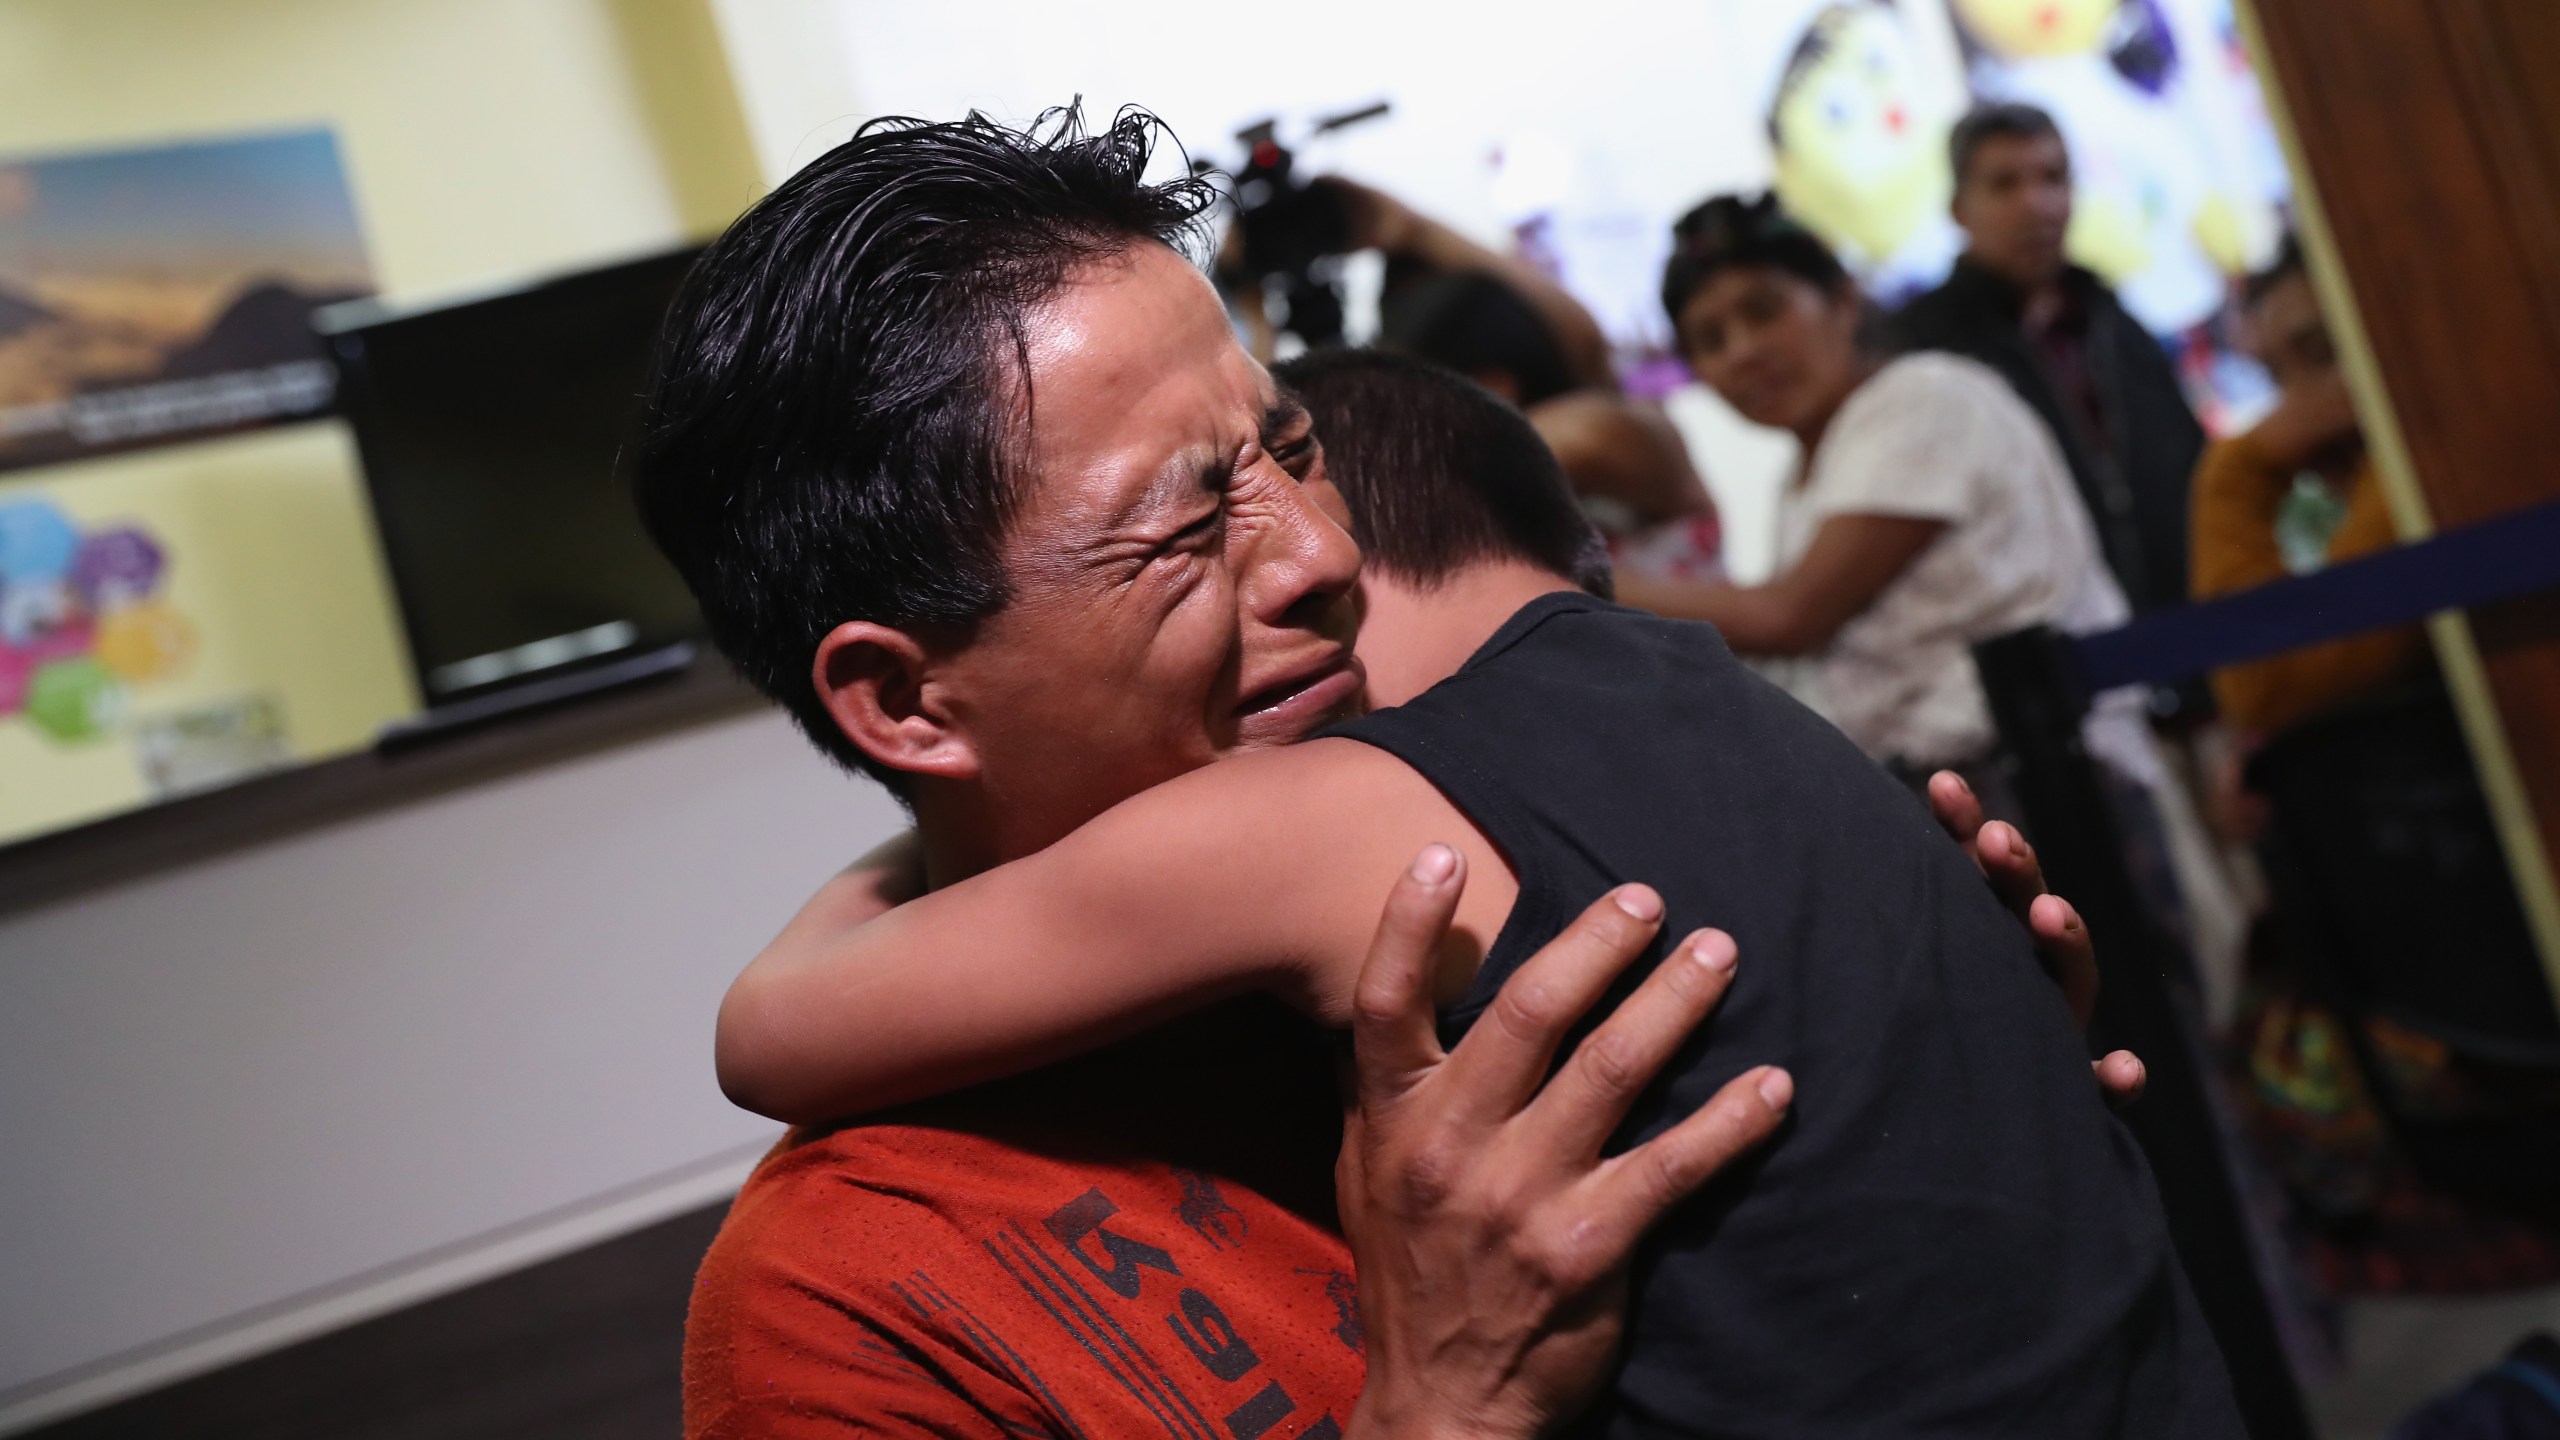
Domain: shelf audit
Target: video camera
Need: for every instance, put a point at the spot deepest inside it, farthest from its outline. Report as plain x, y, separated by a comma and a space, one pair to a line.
1293, 232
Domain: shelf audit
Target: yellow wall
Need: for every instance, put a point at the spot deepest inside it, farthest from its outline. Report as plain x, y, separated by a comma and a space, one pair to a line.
485, 140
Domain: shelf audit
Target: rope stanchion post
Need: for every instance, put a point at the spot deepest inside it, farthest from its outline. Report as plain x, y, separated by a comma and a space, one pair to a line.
2038, 701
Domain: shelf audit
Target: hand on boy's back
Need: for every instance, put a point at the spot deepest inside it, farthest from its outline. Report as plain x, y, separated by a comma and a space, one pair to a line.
2062, 941
1490, 1235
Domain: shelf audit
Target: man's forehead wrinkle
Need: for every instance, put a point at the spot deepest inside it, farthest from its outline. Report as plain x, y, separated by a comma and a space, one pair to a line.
1108, 505
1140, 494
1055, 337
1141, 394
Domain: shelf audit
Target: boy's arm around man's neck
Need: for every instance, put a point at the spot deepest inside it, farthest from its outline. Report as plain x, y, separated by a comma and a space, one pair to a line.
1265, 872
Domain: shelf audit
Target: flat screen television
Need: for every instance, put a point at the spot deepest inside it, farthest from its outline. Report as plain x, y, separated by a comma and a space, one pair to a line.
492, 431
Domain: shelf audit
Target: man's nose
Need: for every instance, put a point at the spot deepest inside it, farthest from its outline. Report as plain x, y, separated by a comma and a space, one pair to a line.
1299, 567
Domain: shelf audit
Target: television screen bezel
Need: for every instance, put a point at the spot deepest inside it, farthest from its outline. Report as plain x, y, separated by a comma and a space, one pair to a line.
343, 329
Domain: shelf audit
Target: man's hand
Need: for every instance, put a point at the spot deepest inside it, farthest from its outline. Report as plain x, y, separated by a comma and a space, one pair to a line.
1490, 1235
2062, 941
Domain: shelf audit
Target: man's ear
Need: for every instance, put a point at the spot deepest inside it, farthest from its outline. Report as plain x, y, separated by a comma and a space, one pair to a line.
881, 686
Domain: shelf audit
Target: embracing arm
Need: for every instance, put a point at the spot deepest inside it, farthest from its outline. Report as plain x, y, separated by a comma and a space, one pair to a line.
855, 1007
1850, 562
1256, 873
889, 876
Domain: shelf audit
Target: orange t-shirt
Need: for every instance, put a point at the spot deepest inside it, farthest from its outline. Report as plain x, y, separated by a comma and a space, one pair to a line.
1134, 1243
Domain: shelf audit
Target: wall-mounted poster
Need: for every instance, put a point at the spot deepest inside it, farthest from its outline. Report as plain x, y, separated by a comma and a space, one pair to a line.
178, 616
1854, 98
164, 293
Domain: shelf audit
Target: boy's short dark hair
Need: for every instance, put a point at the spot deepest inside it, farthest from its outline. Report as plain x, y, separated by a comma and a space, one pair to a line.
2006, 120
1441, 473
829, 434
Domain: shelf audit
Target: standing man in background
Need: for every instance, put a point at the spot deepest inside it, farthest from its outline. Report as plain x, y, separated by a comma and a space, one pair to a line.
2105, 387
2059, 336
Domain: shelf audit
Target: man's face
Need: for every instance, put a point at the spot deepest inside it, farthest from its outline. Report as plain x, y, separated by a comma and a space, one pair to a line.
2014, 202
2290, 336
1182, 571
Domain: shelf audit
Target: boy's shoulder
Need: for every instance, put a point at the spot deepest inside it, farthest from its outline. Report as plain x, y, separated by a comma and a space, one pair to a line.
1582, 640
1570, 667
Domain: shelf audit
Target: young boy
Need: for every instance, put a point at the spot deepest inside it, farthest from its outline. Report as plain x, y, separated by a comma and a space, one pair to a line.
1951, 1237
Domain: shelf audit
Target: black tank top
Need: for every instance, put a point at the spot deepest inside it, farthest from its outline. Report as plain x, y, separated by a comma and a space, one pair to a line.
1951, 1236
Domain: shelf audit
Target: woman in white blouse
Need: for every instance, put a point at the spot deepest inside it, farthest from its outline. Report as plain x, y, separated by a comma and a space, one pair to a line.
1931, 508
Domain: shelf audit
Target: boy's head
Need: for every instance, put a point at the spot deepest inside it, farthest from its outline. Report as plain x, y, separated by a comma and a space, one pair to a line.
1443, 480
1441, 474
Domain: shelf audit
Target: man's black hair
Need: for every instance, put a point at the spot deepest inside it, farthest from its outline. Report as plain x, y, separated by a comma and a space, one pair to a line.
2006, 120
2289, 262
1441, 473
1475, 324
1737, 230
831, 431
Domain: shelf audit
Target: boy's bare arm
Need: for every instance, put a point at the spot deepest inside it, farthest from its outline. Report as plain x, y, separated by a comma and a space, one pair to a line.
1264, 872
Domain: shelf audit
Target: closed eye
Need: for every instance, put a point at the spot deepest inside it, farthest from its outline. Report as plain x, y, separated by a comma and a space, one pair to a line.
1204, 528
1288, 434
1296, 455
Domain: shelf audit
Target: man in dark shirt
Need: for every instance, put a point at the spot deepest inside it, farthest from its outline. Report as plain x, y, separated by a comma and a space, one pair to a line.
2059, 336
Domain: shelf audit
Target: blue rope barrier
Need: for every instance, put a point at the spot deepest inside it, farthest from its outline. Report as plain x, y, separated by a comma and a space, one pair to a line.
2456, 569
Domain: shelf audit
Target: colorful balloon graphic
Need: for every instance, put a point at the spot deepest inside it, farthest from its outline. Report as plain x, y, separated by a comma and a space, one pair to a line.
81, 621
144, 642
75, 700
117, 567
36, 543
17, 667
